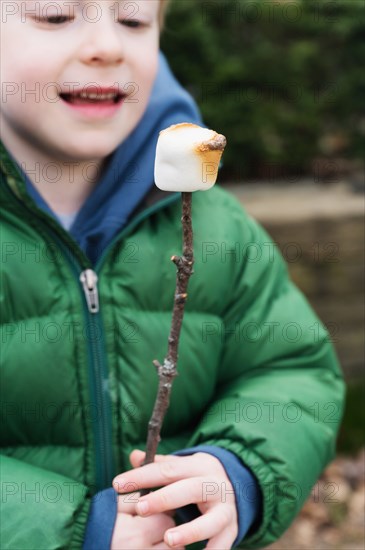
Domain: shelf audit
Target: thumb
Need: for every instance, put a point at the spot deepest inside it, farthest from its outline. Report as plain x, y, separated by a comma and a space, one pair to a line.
136, 458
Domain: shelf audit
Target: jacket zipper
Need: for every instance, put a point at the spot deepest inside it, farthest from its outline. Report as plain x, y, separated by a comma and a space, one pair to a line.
98, 374
96, 350
100, 390
89, 280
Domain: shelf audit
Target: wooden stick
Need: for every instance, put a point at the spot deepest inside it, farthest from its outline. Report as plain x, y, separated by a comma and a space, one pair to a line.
168, 371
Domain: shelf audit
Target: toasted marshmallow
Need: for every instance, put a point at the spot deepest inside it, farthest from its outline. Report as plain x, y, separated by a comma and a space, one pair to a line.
187, 158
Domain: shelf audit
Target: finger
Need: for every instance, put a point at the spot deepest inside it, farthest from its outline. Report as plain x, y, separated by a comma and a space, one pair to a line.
127, 503
150, 530
164, 546
137, 457
205, 527
222, 541
161, 472
157, 525
174, 496
140, 532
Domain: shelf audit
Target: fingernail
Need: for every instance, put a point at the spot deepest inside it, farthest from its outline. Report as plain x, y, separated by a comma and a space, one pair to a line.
119, 483
142, 507
174, 538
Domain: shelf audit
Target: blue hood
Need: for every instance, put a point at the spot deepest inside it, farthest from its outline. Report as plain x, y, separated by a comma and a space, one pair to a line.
128, 172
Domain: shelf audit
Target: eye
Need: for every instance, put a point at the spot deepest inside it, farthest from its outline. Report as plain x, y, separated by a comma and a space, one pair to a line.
54, 19
131, 23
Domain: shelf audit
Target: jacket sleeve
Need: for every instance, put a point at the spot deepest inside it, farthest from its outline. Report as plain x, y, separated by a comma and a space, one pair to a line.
40, 509
280, 393
101, 522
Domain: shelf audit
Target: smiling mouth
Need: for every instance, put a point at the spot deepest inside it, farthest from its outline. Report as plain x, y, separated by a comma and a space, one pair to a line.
96, 98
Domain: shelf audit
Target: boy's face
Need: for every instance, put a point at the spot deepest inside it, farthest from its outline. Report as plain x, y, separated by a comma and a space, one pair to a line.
53, 51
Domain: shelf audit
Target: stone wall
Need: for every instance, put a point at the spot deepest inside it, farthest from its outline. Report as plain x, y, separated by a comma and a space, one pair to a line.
320, 231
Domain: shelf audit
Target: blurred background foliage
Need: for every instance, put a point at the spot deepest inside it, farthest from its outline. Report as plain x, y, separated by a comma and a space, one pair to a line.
283, 80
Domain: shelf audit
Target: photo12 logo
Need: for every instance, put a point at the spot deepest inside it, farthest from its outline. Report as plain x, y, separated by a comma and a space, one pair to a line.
91, 12
53, 92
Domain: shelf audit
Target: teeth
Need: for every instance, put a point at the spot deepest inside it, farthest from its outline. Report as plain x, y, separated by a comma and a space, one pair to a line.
101, 97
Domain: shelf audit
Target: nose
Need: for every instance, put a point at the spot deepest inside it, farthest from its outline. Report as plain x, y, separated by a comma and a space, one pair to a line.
101, 44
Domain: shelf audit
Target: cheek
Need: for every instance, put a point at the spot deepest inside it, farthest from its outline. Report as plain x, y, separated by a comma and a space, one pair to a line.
23, 86
28, 78
27, 56
25, 69
145, 77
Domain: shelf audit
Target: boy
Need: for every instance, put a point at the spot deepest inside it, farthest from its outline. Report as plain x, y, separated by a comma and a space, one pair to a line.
87, 306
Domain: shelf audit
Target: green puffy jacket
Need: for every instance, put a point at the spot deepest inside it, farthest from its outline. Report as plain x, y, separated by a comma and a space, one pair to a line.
258, 375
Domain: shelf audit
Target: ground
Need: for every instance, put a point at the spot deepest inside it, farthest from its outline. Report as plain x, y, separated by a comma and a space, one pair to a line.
333, 516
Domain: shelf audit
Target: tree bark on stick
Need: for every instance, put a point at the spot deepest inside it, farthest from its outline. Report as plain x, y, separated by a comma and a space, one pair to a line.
168, 371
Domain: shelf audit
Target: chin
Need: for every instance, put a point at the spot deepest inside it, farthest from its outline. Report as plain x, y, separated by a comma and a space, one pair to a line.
91, 152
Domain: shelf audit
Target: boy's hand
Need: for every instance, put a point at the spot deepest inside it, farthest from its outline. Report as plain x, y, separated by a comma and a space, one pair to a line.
199, 478
132, 532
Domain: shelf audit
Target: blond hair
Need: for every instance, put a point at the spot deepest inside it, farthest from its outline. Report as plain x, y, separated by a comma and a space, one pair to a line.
162, 13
